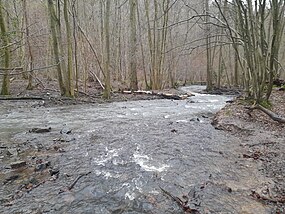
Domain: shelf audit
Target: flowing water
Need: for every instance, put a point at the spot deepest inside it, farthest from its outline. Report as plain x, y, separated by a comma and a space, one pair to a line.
131, 149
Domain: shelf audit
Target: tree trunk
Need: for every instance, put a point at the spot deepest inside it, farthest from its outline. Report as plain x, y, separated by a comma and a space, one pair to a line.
150, 43
278, 20
209, 69
107, 90
6, 82
53, 21
133, 44
69, 82
75, 46
30, 57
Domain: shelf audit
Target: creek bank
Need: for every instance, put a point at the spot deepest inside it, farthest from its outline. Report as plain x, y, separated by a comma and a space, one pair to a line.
263, 140
47, 96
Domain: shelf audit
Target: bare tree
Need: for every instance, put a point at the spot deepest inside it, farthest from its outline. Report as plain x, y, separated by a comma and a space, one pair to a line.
208, 41
69, 81
107, 91
53, 22
133, 44
5, 39
259, 46
30, 57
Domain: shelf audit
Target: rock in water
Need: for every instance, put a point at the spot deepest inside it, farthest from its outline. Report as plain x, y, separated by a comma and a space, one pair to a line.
18, 164
65, 130
42, 166
40, 130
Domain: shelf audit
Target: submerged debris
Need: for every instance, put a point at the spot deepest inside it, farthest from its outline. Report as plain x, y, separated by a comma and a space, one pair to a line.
279, 199
11, 179
18, 164
182, 203
73, 183
40, 130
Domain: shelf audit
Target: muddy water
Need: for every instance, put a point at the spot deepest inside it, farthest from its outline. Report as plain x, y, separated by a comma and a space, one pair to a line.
131, 149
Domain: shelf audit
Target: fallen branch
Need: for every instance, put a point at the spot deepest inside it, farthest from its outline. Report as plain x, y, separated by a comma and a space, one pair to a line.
29, 71
74, 182
260, 144
97, 78
91, 46
12, 69
180, 203
21, 98
255, 155
269, 199
77, 179
271, 114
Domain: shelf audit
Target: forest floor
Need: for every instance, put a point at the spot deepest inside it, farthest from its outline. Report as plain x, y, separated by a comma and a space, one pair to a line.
93, 93
261, 140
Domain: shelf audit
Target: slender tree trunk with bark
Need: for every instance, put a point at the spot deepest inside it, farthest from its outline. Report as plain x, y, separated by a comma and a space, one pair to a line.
53, 23
133, 44
69, 82
142, 48
30, 57
278, 7
208, 40
62, 49
75, 46
150, 43
107, 90
5, 40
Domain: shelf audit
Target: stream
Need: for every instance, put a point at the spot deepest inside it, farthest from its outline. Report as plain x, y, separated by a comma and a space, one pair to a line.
132, 150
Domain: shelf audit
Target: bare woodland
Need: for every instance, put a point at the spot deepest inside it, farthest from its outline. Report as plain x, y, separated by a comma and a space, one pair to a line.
214, 151
142, 44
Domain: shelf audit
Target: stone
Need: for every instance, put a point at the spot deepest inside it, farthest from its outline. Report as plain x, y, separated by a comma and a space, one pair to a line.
42, 166
65, 130
18, 164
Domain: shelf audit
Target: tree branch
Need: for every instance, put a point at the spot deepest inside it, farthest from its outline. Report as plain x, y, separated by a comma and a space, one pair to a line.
19, 68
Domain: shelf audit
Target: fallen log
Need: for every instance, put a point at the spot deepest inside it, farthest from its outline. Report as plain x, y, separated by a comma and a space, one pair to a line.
20, 98
271, 114
139, 92
173, 96
161, 94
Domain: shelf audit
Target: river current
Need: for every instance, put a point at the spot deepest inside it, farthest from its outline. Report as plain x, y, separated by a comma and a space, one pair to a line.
132, 150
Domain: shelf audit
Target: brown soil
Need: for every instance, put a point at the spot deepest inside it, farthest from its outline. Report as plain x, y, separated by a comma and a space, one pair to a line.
263, 139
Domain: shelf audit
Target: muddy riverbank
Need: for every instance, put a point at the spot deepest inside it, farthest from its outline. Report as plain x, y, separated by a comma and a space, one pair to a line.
116, 157
263, 140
